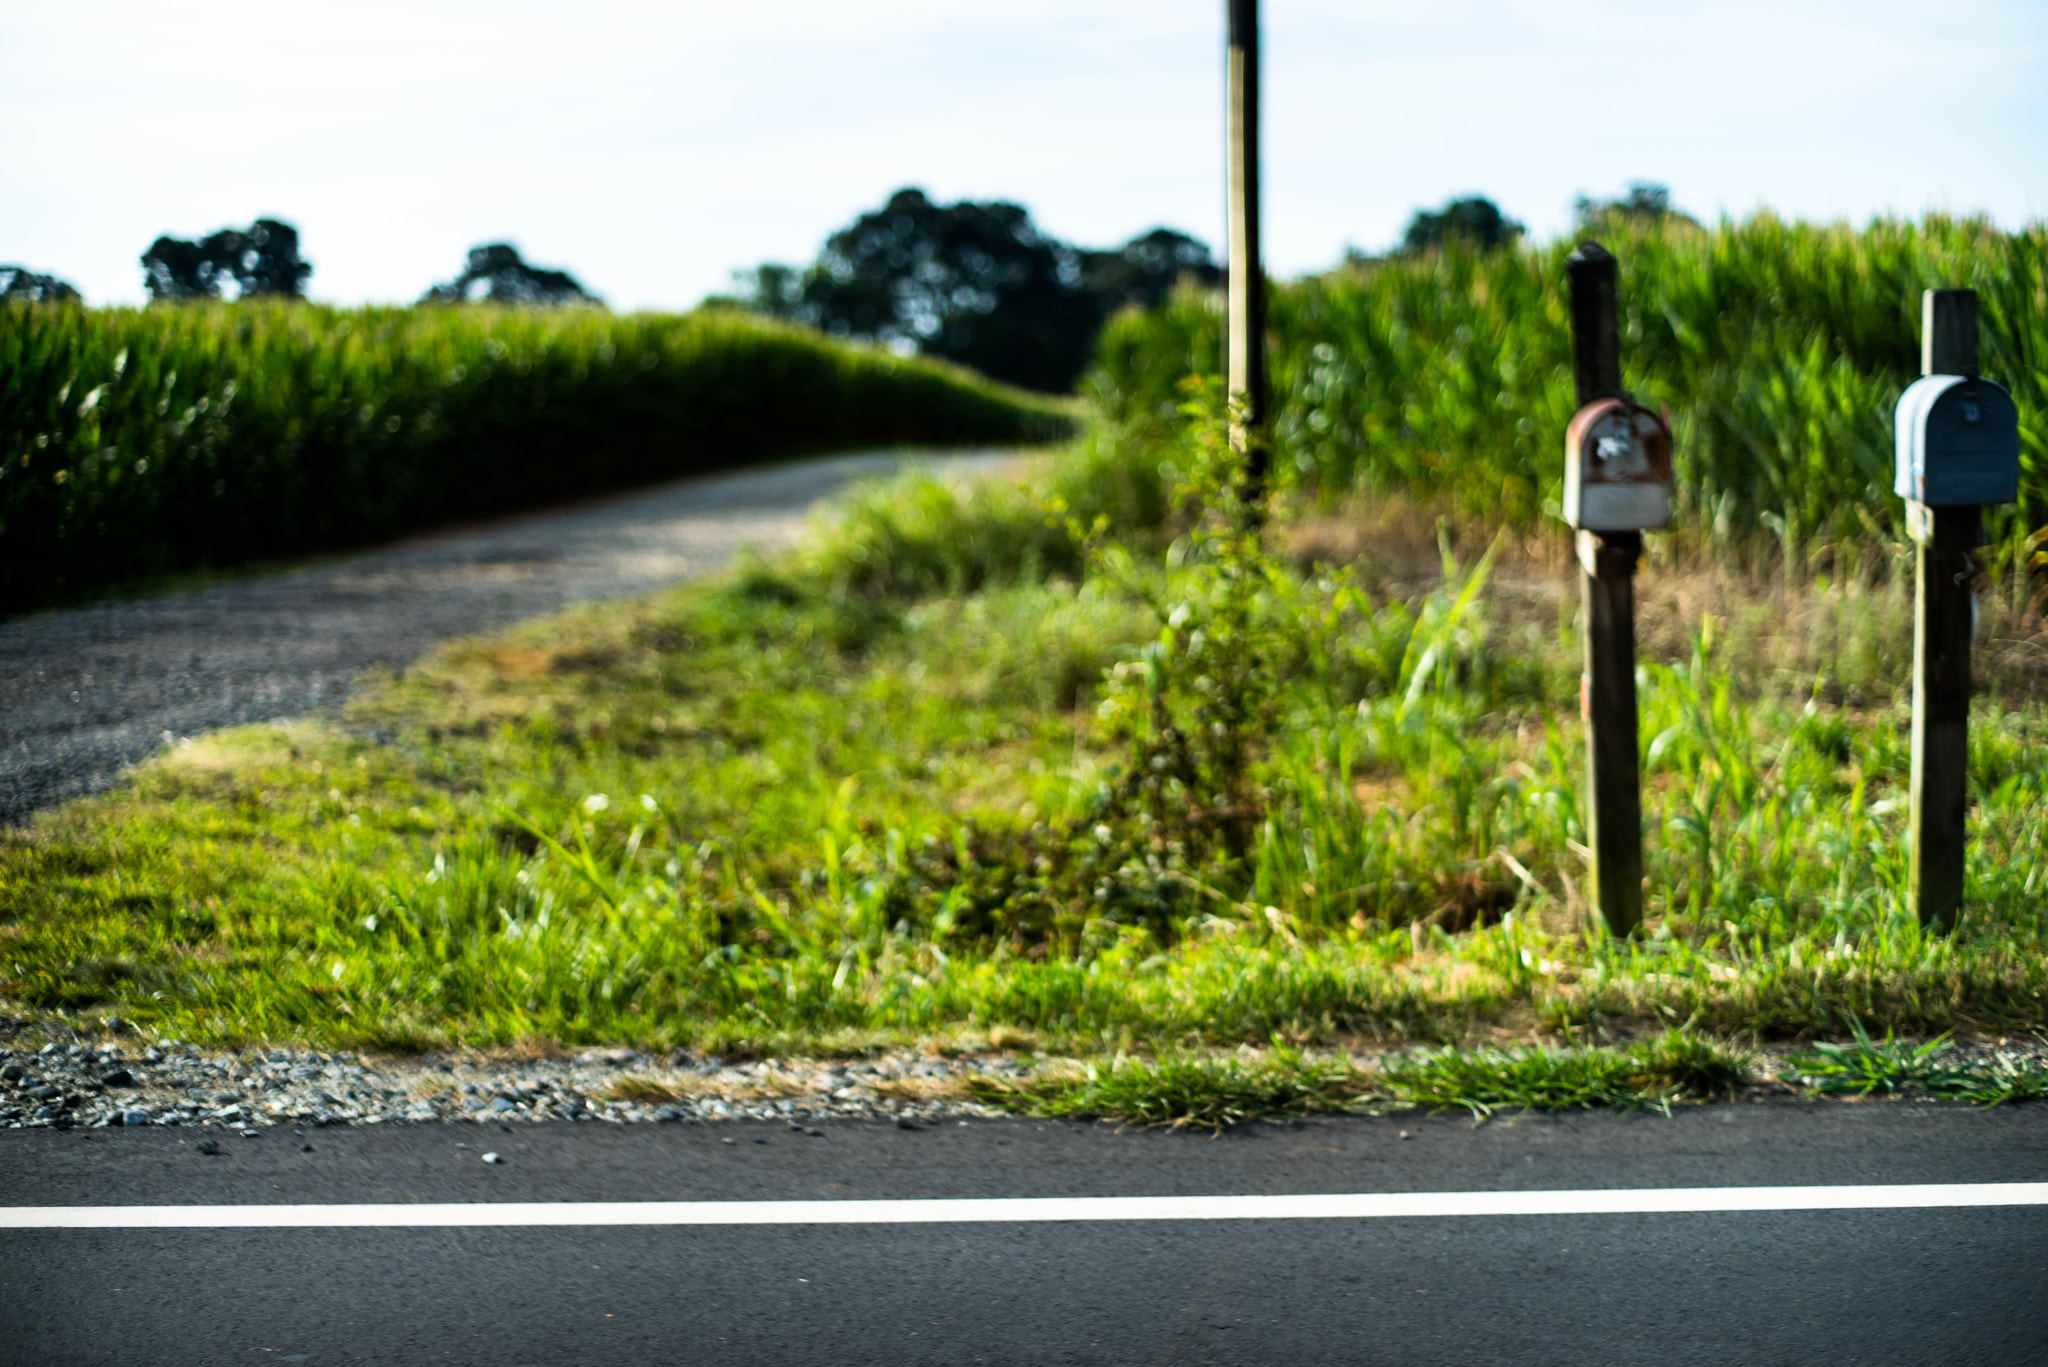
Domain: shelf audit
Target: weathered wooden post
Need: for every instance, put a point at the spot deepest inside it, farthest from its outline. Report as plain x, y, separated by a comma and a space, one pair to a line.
1957, 449
1247, 283
1617, 483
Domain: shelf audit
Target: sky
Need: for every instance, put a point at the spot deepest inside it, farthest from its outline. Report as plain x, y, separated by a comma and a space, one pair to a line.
654, 148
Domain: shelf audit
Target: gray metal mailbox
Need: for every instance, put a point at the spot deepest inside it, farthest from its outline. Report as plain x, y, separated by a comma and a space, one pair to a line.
1958, 443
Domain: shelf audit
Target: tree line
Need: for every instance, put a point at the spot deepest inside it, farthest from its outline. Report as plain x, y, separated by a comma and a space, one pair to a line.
974, 282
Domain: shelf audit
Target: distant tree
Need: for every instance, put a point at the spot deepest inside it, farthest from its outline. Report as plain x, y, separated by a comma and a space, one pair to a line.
261, 260
497, 275
21, 284
1144, 270
176, 269
1645, 202
267, 260
1475, 221
770, 288
976, 283
973, 282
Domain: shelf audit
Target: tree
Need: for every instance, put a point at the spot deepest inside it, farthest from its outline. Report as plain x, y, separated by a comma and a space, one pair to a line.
1475, 221
1646, 202
497, 275
261, 260
976, 283
19, 283
1144, 270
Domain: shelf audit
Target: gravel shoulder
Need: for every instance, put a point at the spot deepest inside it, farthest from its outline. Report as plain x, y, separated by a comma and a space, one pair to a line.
86, 692
96, 1084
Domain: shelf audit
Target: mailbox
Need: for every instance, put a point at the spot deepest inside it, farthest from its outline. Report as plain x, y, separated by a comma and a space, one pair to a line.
1958, 443
1617, 467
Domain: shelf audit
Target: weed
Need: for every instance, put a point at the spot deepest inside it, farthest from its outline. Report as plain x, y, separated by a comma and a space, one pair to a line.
1183, 1091
1888, 1067
1673, 1067
2007, 1077
641, 1089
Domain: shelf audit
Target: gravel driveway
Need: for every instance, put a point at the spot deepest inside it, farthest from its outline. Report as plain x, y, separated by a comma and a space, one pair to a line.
85, 692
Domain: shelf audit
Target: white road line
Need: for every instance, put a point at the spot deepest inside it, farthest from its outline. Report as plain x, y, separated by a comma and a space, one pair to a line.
1033, 1210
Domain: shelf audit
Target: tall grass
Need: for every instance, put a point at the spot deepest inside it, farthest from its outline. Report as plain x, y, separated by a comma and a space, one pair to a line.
941, 817
1780, 348
137, 442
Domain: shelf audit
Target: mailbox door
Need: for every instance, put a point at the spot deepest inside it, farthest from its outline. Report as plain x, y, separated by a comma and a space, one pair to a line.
1617, 468
1958, 443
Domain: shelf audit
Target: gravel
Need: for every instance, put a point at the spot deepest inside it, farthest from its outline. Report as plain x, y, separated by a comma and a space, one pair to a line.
64, 1085
86, 692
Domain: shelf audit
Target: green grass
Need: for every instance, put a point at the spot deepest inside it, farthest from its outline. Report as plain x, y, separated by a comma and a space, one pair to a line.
1209, 1091
605, 828
1673, 1067
1865, 1067
1191, 1091
1186, 795
141, 443
1780, 347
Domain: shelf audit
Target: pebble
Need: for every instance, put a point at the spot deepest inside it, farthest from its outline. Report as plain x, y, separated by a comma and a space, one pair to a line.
62, 1084
129, 1081
492, 1158
209, 1147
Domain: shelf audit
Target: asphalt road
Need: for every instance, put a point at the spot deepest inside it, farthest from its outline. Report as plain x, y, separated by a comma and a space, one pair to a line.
85, 692
1931, 1286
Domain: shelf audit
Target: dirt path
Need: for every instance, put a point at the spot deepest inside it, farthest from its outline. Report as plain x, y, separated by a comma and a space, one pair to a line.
87, 691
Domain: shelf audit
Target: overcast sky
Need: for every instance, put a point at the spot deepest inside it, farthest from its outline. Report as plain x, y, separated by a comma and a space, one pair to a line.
652, 148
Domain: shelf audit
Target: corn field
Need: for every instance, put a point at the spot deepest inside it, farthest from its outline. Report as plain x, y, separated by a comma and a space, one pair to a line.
141, 442
1780, 349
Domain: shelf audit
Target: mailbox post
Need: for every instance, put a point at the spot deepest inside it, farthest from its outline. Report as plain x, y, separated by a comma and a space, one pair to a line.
1617, 484
1957, 447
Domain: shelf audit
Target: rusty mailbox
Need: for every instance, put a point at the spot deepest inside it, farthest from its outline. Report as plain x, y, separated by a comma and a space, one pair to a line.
1617, 467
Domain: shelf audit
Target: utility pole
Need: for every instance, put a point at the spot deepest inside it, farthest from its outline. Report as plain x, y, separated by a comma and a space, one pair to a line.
1607, 560
1247, 283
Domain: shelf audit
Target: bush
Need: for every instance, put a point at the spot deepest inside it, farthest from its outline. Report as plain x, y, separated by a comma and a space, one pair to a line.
143, 442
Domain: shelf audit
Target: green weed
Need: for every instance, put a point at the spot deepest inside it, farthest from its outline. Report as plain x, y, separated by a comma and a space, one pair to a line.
1887, 1067
1673, 1067
1190, 1091
1890, 1067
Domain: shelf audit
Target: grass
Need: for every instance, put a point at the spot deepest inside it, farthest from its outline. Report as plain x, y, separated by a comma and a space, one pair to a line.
1865, 1067
1673, 1067
603, 828
1780, 348
137, 444
1212, 1091
1183, 1091
1087, 769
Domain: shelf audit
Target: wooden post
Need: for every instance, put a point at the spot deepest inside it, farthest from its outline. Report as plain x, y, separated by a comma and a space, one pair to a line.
1942, 619
1614, 816
1247, 283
